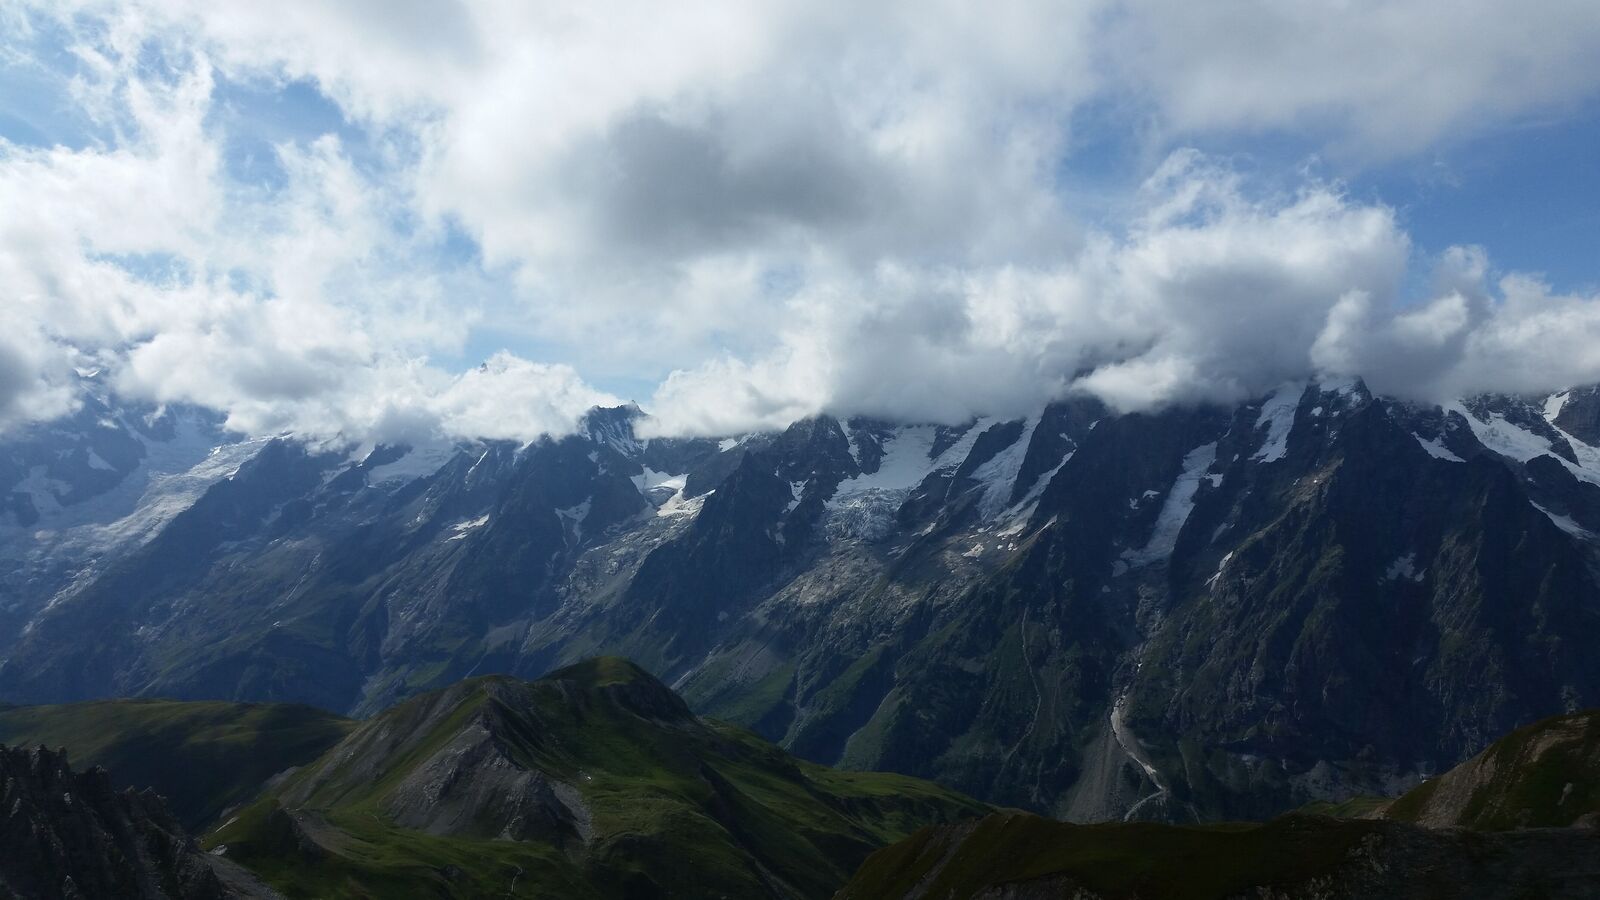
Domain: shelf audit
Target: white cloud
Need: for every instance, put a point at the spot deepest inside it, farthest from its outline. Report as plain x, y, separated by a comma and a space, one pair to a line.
1211, 295
1371, 77
1510, 335
310, 308
772, 208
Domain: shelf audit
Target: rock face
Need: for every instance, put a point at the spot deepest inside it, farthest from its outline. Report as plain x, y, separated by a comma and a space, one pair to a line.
1196, 613
71, 835
465, 781
596, 781
1021, 857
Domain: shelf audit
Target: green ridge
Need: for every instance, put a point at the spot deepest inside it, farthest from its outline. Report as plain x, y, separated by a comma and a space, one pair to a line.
203, 757
1545, 775
675, 805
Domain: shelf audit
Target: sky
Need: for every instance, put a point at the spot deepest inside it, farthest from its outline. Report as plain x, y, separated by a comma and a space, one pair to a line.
394, 220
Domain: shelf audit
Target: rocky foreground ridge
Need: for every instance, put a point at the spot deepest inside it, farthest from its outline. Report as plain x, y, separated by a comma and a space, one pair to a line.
71, 835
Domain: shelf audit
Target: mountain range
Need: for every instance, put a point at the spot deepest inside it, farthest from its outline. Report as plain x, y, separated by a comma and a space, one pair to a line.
1199, 613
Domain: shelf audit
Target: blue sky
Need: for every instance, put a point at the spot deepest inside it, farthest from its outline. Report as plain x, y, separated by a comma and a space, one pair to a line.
327, 218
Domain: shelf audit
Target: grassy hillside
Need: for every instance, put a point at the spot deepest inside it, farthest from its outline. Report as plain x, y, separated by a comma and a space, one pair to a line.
595, 781
204, 757
1022, 856
1543, 776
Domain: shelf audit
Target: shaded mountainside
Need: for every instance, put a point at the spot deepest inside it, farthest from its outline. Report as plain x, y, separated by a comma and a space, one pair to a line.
1189, 614
1495, 826
1017, 856
595, 781
82, 491
1546, 775
71, 835
203, 757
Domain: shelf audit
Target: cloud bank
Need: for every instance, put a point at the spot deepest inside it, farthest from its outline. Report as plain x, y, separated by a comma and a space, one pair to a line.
763, 210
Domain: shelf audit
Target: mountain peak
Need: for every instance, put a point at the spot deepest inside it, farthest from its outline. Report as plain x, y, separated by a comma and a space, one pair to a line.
601, 762
625, 683
613, 426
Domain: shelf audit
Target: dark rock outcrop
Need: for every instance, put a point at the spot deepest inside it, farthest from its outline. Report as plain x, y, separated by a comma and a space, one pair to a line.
70, 835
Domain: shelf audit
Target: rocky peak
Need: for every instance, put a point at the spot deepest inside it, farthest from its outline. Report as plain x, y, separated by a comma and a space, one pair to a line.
69, 835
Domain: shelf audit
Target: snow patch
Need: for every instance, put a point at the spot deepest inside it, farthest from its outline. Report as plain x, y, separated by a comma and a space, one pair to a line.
1566, 523
797, 489
575, 516
1553, 405
418, 462
466, 526
650, 479
97, 462
865, 506
999, 475
1515, 442
1404, 567
678, 505
1221, 567
662, 490
1437, 449
172, 476
908, 459
1504, 438
1277, 417
1175, 511
904, 464
1020, 514
850, 443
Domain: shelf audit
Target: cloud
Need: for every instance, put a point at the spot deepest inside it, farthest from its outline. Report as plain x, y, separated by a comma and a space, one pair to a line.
1211, 295
33, 386
769, 209
309, 307
1215, 294
1512, 334
1372, 78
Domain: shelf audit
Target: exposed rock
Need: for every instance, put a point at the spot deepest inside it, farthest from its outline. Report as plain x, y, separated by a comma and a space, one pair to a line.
70, 835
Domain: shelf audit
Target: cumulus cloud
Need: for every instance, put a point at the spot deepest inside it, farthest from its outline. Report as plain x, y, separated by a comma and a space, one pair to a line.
1372, 77
1511, 334
310, 307
1215, 294
1211, 295
771, 209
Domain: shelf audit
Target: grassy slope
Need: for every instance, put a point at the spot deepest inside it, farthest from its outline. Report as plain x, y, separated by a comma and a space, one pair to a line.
677, 804
1545, 775
1023, 856
1115, 860
204, 757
